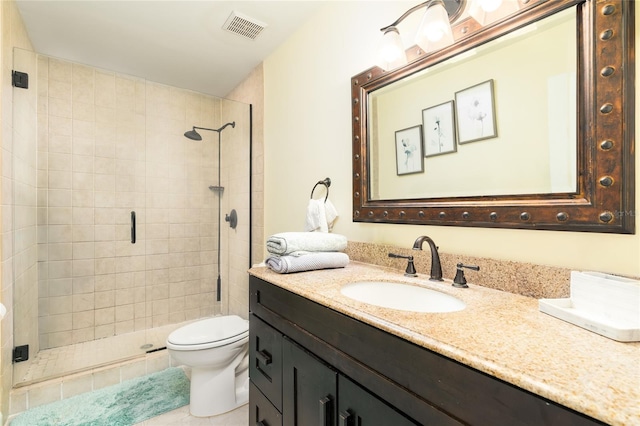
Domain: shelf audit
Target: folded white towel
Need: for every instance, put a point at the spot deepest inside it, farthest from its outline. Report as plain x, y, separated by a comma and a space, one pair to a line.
288, 242
307, 262
321, 215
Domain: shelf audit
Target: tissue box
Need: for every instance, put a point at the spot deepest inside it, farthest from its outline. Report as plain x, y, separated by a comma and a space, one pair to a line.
602, 303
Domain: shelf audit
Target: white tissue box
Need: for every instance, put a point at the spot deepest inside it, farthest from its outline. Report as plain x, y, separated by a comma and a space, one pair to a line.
602, 303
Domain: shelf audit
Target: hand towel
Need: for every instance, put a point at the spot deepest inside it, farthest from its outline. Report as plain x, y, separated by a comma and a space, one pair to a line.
331, 214
321, 215
316, 217
307, 262
288, 242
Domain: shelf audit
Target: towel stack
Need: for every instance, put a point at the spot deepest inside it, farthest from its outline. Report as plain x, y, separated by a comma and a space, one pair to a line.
306, 251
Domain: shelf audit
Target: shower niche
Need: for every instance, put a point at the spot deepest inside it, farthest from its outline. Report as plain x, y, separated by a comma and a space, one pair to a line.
92, 150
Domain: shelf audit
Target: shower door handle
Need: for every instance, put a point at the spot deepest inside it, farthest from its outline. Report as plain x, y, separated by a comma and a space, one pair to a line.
133, 227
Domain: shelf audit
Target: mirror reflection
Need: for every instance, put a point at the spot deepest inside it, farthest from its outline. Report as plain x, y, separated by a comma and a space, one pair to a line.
498, 119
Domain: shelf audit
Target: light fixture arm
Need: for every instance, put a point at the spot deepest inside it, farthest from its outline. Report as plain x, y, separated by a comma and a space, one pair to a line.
426, 4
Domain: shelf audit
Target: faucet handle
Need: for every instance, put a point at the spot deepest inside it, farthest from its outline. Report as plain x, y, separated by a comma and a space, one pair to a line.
411, 269
460, 281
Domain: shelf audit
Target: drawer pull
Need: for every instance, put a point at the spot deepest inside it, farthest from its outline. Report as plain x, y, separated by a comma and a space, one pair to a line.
264, 357
325, 411
262, 423
345, 418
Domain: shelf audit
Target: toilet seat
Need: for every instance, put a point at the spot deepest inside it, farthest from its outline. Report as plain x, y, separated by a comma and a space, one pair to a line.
209, 333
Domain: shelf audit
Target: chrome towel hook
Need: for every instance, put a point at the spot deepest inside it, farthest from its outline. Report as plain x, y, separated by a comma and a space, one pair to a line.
327, 183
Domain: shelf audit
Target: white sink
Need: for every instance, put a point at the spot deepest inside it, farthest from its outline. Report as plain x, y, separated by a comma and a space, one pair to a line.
403, 297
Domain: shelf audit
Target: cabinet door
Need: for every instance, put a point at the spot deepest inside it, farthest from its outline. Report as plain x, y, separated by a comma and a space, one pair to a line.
357, 407
261, 411
265, 359
308, 388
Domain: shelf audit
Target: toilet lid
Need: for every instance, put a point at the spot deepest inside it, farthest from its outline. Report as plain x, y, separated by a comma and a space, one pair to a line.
209, 330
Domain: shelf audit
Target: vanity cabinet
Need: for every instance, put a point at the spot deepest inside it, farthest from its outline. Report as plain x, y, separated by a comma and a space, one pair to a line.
290, 386
345, 372
316, 394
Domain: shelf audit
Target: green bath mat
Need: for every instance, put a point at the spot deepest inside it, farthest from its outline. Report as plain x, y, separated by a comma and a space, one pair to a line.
127, 403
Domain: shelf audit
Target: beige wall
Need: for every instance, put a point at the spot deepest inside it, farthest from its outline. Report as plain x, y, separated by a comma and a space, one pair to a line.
308, 137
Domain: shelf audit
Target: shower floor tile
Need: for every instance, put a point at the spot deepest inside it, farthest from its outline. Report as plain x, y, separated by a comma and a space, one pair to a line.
65, 360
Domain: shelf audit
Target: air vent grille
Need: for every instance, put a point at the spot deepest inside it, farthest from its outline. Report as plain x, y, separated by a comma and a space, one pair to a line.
243, 25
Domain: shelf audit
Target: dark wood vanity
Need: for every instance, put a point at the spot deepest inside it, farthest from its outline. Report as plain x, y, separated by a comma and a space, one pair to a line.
310, 365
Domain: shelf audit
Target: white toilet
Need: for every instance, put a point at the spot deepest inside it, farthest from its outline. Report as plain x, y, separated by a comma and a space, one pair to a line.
216, 349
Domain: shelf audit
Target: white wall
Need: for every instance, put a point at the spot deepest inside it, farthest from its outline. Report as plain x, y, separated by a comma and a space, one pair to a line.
308, 137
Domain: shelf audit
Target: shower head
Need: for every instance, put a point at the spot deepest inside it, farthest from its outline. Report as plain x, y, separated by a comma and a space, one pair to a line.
193, 135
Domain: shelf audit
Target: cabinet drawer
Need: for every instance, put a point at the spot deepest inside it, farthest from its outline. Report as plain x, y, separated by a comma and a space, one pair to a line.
261, 411
265, 360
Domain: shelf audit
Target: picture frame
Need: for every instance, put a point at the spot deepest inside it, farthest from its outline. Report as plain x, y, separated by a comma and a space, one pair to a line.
438, 124
409, 151
475, 113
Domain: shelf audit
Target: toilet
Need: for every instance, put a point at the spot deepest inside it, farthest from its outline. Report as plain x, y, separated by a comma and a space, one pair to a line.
216, 349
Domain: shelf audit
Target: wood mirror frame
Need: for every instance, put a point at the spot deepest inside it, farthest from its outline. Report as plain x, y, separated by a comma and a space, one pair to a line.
604, 198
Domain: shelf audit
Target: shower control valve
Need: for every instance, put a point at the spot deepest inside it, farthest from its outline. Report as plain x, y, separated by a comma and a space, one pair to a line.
232, 218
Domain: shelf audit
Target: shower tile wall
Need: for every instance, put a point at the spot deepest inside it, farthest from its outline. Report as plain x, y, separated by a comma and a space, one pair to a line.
22, 218
13, 37
235, 170
110, 144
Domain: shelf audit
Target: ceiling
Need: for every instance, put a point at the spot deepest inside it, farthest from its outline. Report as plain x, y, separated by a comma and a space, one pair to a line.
175, 42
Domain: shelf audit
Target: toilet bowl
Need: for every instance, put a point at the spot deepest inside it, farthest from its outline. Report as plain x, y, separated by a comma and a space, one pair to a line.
216, 349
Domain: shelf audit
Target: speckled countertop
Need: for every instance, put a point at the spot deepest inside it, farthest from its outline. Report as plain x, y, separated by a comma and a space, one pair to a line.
499, 333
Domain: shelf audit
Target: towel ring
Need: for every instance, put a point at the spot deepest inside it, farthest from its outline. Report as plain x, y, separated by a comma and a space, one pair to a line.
326, 183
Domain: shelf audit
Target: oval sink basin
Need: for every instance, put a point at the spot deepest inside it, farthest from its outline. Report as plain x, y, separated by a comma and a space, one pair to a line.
402, 297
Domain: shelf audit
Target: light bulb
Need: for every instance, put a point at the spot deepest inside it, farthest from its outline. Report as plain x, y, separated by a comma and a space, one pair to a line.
391, 52
490, 5
434, 32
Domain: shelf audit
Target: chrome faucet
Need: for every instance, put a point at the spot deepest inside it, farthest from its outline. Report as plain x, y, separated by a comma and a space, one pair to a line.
436, 268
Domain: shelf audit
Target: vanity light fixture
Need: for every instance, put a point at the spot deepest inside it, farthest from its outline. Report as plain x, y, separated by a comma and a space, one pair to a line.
434, 33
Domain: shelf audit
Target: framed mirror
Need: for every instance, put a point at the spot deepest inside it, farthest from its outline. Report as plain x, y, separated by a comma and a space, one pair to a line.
513, 133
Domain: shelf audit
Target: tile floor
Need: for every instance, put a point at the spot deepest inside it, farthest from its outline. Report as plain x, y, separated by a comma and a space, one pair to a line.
181, 416
63, 362
58, 362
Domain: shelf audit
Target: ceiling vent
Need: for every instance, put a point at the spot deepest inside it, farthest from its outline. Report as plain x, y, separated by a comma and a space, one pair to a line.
244, 26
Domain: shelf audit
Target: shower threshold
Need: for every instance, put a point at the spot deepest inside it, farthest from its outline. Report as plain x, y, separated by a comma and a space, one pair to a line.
80, 357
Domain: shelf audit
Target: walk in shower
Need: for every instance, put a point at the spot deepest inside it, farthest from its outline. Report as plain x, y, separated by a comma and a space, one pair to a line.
117, 237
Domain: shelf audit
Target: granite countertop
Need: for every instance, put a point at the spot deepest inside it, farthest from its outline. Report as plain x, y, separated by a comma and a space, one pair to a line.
499, 333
